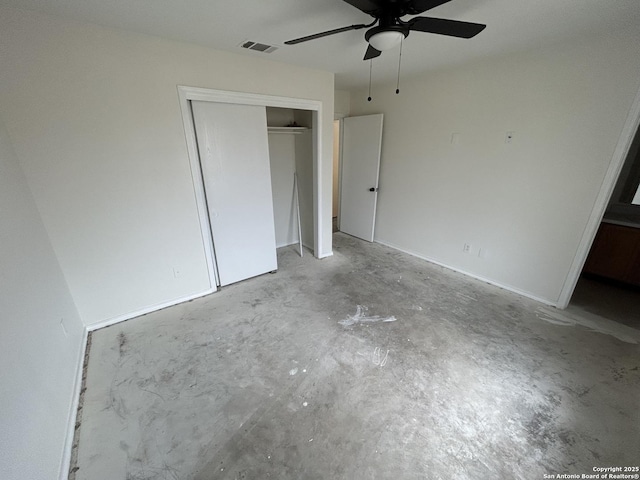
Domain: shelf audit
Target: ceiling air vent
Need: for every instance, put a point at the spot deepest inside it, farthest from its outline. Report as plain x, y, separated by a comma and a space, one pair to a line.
260, 47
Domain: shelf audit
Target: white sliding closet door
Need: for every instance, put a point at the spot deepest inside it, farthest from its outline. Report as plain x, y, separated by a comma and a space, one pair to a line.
234, 153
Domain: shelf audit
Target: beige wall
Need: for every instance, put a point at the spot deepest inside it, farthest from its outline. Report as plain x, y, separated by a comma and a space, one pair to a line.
94, 118
522, 207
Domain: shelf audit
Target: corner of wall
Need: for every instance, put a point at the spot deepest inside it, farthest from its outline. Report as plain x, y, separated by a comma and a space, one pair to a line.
342, 104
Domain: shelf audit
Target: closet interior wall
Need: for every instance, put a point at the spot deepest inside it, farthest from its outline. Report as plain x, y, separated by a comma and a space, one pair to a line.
291, 151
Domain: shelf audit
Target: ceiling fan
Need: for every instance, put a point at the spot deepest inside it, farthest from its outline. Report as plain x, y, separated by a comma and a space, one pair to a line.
391, 29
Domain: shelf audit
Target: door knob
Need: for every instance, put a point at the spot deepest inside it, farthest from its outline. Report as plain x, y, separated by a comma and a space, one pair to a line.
372, 189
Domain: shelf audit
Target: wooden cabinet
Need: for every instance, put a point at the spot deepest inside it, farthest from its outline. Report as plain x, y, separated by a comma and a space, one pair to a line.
615, 254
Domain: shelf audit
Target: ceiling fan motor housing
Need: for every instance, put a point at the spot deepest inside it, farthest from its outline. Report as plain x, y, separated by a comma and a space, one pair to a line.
385, 37
404, 29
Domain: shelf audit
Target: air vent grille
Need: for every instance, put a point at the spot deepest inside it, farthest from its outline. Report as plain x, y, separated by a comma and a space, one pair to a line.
258, 47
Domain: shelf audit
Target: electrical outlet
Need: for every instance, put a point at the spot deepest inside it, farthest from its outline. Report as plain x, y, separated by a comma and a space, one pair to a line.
176, 272
466, 248
455, 138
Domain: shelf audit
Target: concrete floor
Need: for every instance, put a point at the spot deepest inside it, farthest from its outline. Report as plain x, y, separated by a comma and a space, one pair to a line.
434, 376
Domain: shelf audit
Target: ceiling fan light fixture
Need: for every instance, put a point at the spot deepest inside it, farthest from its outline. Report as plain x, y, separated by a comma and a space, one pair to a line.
386, 40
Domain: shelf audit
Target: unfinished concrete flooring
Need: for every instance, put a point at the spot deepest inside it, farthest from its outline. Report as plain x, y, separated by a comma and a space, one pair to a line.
370, 364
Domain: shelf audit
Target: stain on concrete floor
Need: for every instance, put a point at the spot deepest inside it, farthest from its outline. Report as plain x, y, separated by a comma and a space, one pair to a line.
466, 383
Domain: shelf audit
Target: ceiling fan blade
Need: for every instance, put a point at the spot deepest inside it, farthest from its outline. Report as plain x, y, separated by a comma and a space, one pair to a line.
366, 6
417, 7
441, 26
325, 34
371, 53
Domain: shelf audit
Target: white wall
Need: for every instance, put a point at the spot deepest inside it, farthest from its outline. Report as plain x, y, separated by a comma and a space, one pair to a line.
289, 153
282, 157
94, 117
341, 109
38, 361
522, 206
304, 168
279, 117
303, 144
341, 104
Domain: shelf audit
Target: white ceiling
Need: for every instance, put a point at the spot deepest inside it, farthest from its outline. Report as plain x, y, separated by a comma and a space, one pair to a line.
512, 25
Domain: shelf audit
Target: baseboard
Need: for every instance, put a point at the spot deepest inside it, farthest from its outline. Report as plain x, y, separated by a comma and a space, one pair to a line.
326, 255
144, 311
468, 274
295, 242
73, 414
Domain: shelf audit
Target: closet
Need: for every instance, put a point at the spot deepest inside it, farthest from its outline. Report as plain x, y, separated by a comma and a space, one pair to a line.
291, 152
248, 178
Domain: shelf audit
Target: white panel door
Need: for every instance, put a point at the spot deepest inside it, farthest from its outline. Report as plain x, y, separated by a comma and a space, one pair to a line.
361, 144
234, 153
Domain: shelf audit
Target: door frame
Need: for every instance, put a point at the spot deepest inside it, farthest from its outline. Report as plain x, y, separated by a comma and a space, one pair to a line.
186, 94
602, 200
337, 121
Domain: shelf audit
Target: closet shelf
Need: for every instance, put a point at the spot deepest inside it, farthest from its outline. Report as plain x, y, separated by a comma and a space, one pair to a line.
293, 130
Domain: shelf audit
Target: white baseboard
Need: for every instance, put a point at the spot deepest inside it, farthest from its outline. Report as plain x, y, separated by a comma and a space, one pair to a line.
472, 275
295, 242
73, 413
326, 255
144, 311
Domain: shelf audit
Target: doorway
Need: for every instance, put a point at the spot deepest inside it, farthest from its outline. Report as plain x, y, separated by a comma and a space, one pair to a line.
609, 284
631, 126
357, 164
335, 214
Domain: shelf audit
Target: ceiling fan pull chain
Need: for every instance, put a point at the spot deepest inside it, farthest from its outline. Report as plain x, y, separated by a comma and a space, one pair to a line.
399, 63
370, 68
